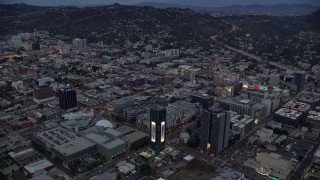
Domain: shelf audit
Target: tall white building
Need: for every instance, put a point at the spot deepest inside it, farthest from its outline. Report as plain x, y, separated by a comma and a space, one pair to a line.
79, 43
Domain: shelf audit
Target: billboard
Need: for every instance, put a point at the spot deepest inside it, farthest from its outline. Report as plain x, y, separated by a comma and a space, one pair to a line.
153, 131
163, 131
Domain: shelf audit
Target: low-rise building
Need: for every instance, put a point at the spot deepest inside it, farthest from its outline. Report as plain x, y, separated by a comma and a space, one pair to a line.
43, 94
63, 143
134, 137
25, 156
184, 137
38, 167
288, 116
310, 98
105, 176
241, 124
107, 144
314, 119
125, 167
124, 130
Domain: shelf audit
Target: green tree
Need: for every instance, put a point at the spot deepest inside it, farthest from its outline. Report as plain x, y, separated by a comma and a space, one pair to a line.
277, 131
269, 127
285, 132
2, 176
43, 118
145, 169
119, 118
189, 131
133, 120
194, 141
193, 118
95, 68
173, 99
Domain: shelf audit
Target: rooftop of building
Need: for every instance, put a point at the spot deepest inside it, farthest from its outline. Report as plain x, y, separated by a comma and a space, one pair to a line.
308, 97
75, 146
125, 166
132, 137
56, 136
265, 134
157, 108
236, 101
237, 117
227, 173
105, 139
124, 130
203, 96
105, 176
42, 177
298, 106
93, 129
289, 113
76, 123
113, 132
314, 115
104, 123
124, 100
281, 138
77, 115
21, 153
317, 153
188, 158
38, 166
43, 92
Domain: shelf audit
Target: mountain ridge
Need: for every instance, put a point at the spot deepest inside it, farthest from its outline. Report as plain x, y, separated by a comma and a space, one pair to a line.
298, 9
180, 22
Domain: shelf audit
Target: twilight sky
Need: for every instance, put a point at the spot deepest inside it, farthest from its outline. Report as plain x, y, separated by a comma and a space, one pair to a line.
212, 3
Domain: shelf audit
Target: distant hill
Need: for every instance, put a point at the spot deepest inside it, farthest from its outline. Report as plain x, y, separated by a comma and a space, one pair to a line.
315, 14
278, 9
72, 20
314, 20
121, 20
18, 9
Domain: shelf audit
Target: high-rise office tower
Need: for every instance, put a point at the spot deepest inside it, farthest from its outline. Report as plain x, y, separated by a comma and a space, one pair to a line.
214, 131
300, 78
67, 98
157, 129
203, 99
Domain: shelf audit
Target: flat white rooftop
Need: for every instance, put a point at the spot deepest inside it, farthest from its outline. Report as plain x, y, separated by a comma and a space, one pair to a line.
38, 166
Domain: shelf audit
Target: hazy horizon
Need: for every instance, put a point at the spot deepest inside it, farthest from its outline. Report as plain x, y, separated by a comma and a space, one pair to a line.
211, 3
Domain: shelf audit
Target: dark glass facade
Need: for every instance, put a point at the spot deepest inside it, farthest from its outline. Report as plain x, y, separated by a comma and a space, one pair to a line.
67, 98
204, 100
157, 129
300, 78
214, 130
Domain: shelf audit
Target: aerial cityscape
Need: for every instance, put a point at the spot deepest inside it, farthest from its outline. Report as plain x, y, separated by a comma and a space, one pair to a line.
160, 90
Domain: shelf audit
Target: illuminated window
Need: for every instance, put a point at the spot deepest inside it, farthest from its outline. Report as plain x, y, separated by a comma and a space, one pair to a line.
153, 131
163, 129
208, 146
